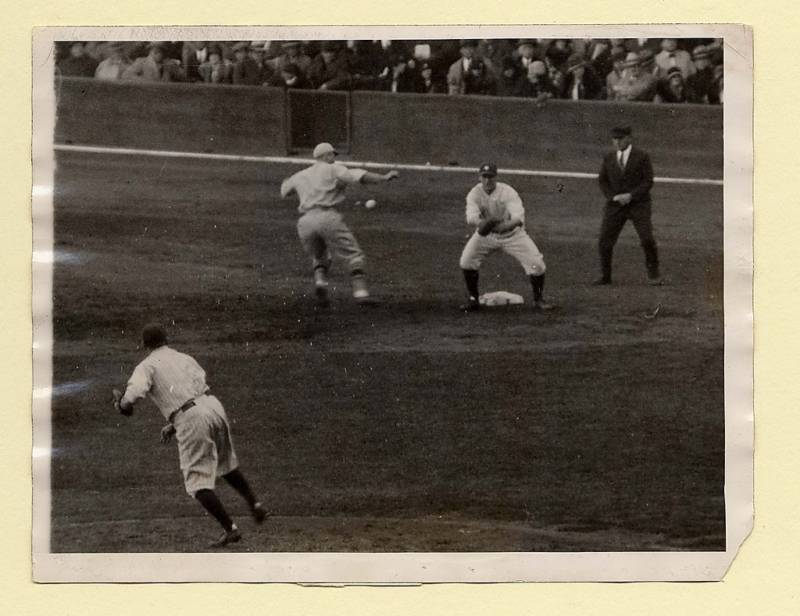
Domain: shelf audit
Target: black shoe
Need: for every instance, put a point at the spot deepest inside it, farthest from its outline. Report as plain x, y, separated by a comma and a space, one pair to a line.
472, 305
602, 281
259, 513
229, 536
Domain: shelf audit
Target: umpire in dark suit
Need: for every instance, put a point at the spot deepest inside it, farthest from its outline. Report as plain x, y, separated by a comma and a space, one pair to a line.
626, 178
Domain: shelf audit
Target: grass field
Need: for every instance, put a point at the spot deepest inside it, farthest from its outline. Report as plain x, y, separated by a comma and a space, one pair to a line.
408, 426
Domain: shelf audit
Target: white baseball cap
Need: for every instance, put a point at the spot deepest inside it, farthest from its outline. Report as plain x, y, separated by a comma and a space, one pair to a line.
322, 149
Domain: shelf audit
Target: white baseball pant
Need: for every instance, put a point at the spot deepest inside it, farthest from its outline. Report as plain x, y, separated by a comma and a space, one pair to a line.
518, 244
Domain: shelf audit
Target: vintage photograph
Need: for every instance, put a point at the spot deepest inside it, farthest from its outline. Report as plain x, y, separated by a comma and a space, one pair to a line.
453, 292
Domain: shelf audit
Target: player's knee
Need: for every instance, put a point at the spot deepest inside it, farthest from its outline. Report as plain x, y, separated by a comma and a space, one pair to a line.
537, 268
468, 262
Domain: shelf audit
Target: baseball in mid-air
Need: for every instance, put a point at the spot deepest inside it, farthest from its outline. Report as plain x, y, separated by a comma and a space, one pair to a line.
371, 203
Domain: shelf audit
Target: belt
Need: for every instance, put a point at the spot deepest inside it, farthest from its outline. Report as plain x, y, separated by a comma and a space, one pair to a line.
503, 236
183, 408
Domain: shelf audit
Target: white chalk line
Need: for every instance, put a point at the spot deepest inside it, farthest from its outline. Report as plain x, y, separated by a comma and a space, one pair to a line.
88, 149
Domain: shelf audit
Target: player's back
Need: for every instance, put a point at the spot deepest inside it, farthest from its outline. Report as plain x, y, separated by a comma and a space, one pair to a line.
320, 185
173, 378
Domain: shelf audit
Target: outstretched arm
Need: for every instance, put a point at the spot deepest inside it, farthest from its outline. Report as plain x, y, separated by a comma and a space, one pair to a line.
377, 178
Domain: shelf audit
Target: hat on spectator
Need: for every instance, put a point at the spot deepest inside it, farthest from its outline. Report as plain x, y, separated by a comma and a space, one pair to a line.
575, 61
617, 54
701, 52
632, 59
322, 149
330, 46
621, 131
289, 44
291, 68
215, 49
529, 42
155, 45
673, 71
646, 57
241, 46
538, 68
488, 170
468, 43
257, 44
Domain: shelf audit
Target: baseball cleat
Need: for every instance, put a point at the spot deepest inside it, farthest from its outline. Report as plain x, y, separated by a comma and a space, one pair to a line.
657, 281
259, 513
472, 305
542, 305
229, 536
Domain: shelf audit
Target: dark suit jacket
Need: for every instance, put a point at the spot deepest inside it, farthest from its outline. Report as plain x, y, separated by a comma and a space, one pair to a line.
637, 179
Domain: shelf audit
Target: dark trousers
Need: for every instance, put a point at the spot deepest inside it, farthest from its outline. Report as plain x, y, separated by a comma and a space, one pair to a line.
614, 219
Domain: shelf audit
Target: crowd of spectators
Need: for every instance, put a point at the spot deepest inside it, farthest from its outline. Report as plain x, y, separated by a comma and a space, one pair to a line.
659, 70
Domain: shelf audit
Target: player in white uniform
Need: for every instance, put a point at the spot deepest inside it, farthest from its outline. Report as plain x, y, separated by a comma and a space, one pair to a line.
320, 188
176, 384
495, 209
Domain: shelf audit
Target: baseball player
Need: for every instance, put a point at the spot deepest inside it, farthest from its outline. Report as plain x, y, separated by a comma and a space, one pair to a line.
320, 188
176, 384
495, 209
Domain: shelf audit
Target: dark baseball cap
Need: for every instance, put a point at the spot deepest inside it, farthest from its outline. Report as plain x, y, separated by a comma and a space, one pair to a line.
488, 169
154, 335
621, 131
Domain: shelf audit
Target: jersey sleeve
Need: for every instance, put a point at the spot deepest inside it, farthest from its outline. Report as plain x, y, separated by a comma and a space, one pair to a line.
473, 208
513, 203
140, 383
287, 186
346, 175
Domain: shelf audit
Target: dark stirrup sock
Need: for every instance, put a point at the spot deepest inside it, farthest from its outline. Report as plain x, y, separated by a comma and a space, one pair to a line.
211, 503
537, 282
238, 482
471, 279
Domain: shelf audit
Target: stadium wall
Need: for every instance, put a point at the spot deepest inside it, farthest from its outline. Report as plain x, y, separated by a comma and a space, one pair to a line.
171, 116
684, 140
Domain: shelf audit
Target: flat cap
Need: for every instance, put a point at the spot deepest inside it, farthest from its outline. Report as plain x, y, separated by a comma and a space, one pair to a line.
323, 148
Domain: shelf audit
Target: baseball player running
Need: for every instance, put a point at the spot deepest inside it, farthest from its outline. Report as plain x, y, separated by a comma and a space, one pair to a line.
495, 209
176, 384
320, 188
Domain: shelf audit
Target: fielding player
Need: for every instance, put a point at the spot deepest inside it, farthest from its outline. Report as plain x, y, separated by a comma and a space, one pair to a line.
321, 228
176, 384
495, 208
